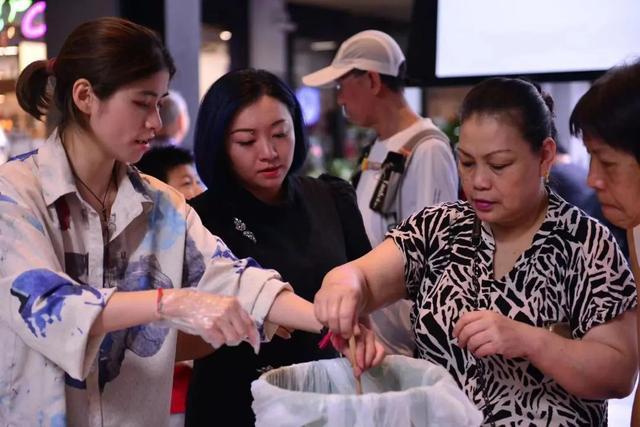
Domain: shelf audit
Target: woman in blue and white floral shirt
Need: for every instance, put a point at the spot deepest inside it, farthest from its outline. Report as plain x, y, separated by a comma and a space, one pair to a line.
92, 254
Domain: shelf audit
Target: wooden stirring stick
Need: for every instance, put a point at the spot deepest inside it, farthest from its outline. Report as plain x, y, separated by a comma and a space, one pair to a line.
352, 350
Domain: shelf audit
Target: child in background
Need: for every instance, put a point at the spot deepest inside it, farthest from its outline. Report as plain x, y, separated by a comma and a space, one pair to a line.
175, 166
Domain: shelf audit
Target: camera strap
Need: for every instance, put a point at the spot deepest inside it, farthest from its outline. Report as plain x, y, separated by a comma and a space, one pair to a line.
385, 198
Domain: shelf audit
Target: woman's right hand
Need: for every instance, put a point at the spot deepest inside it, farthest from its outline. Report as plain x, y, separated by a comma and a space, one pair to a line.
340, 301
369, 351
218, 319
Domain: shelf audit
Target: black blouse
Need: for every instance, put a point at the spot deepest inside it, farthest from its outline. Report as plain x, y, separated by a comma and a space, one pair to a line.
316, 228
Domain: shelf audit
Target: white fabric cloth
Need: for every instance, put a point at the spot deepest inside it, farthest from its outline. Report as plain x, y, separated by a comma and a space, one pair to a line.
56, 277
431, 178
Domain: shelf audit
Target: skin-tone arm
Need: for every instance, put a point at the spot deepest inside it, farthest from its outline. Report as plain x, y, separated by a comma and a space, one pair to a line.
293, 312
288, 309
602, 365
218, 319
359, 287
126, 309
633, 258
129, 309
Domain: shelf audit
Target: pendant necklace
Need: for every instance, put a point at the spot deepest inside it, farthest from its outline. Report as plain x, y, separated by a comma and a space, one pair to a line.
103, 214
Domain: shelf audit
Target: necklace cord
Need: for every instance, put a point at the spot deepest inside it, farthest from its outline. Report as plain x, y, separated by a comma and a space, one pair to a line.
103, 201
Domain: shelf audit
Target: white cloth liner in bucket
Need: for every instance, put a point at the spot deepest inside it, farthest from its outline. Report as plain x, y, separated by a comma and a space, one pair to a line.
400, 392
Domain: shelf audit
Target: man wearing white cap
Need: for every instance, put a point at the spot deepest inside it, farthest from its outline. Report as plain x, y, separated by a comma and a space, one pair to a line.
409, 166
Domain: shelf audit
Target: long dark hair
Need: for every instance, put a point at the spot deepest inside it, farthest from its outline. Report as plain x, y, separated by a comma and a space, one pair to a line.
223, 101
520, 101
108, 52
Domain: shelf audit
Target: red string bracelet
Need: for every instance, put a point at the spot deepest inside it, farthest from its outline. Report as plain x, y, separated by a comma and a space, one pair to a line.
159, 301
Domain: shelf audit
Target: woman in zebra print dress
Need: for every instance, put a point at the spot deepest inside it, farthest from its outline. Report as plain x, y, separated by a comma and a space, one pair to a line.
493, 277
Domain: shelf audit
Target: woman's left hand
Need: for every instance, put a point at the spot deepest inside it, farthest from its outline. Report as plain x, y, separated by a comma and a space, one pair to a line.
486, 333
369, 351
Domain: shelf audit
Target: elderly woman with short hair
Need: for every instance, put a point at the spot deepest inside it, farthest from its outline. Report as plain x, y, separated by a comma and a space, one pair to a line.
607, 118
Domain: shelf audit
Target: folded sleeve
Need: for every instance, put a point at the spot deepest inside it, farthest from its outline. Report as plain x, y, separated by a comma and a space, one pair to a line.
603, 286
410, 237
49, 311
225, 274
424, 241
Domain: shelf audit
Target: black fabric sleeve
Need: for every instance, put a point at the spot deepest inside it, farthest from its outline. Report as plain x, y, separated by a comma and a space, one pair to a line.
410, 238
355, 237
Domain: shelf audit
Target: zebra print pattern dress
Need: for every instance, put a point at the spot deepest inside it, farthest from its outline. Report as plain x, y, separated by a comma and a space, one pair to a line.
573, 272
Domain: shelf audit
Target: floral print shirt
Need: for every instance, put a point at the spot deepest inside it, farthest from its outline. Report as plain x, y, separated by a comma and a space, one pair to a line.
57, 274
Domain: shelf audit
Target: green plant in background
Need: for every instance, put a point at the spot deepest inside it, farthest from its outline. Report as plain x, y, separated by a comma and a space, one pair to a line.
342, 168
451, 128
358, 138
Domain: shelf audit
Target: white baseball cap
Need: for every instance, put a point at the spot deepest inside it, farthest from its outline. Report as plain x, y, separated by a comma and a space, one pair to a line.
368, 50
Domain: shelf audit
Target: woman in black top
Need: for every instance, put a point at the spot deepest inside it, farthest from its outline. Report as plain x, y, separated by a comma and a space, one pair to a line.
249, 143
